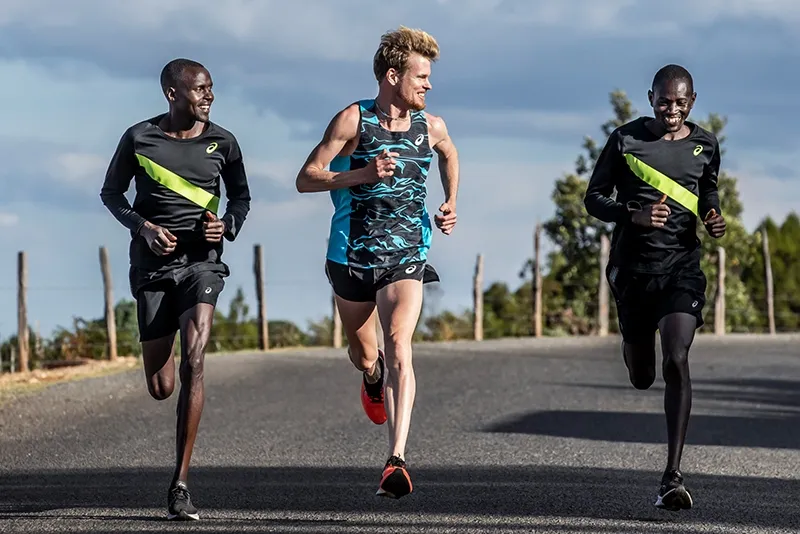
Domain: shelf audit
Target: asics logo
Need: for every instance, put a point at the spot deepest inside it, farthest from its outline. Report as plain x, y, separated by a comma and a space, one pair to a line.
420, 138
411, 269
211, 148
697, 150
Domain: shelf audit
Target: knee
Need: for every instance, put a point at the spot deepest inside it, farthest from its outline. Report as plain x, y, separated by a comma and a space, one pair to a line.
643, 380
193, 361
641, 365
362, 359
160, 389
398, 355
676, 366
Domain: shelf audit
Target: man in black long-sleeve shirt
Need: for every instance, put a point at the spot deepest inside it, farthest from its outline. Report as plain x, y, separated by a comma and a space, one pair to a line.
664, 170
177, 272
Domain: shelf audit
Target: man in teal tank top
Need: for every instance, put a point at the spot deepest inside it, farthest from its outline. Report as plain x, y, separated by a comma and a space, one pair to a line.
374, 159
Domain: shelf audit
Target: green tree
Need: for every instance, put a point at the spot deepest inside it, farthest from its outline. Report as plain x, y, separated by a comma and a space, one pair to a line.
236, 331
740, 247
784, 250
574, 268
286, 334
320, 333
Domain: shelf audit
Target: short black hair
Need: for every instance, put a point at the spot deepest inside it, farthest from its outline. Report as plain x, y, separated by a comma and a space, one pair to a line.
173, 71
672, 73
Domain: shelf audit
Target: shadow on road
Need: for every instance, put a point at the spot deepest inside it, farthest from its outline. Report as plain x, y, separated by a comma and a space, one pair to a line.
771, 420
327, 493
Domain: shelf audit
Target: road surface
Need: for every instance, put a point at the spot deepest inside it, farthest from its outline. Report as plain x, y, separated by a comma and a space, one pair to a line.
538, 436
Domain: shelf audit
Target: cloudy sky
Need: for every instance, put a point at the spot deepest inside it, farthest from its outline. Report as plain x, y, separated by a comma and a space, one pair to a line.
519, 83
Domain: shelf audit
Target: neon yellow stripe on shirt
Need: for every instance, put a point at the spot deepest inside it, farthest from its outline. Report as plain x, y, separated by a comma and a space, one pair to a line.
663, 183
179, 185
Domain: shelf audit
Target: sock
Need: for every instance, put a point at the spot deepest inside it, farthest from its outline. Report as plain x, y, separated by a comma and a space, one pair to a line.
375, 376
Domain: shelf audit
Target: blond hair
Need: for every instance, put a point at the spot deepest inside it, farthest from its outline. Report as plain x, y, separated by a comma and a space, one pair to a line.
396, 47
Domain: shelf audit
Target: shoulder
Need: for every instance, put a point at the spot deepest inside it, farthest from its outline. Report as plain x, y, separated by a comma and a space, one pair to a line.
346, 123
632, 127
223, 133
437, 128
225, 139
141, 127
352, 113
703, 134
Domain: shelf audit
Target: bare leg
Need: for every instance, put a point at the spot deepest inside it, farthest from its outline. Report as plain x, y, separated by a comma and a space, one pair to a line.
195, 331
399, 307
677, 335
159, 366
358, 323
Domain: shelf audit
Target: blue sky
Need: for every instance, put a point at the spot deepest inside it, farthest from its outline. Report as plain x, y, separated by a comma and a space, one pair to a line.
519, 84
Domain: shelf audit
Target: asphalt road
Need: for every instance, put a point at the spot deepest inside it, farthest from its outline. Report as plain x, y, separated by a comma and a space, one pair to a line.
538, 436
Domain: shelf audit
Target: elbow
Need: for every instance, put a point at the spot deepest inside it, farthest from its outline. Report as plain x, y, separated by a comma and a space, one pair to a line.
304, 183
106, 197
588, 203
301, 183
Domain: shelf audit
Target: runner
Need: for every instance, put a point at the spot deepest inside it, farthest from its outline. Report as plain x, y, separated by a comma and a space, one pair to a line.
379, 152
664, 169
176, 267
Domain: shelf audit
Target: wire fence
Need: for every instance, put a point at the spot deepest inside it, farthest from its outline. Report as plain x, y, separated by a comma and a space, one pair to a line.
538, 307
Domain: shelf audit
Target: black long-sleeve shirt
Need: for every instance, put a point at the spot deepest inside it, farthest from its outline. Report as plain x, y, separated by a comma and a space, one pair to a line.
642, 167
177, 181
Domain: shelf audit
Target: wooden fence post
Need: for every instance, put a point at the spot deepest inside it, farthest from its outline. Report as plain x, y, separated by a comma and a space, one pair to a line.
537, 281
602, 293
108, 291
477, 300
719, 301
337, 323
258, 270
22, 311
769, 284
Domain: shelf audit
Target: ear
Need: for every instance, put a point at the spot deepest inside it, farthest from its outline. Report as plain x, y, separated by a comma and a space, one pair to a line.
650, 96
171, 94
392, 76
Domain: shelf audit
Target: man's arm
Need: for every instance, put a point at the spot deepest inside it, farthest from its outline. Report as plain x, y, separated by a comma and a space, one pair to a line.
342, 129
598, 201
707, 187
237, 192
448, 158
120, 171
708, 202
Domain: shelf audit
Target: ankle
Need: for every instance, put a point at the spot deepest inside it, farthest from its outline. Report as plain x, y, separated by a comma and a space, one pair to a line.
373, 375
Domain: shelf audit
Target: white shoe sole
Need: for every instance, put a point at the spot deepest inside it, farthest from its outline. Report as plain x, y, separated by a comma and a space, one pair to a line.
675, 499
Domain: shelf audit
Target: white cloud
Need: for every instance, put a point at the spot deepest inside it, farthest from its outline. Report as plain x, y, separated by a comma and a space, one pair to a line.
510, 156
8, 219
82, 106
762, 193
79, 170
316, 31
528, 122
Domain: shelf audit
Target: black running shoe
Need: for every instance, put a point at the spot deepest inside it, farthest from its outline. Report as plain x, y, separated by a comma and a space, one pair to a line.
395, 482
673, 495
180, 503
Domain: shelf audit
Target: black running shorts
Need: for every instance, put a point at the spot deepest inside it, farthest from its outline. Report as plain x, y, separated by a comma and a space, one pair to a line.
644, 299
362, 285
161, 298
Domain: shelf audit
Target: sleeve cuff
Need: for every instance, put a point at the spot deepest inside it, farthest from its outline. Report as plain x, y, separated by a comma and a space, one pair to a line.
230, 227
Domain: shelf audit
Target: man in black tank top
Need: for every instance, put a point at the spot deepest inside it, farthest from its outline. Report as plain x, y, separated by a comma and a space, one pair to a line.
664, 170
378, 153
177, 272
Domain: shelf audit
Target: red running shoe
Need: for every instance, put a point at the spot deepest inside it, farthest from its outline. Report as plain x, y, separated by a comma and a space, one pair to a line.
372, 395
